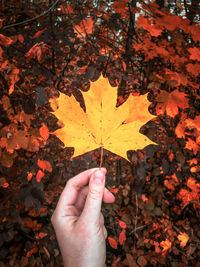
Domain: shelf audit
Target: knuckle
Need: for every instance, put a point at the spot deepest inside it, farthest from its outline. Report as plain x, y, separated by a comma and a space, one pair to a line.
70, 182
95, 194
53, 218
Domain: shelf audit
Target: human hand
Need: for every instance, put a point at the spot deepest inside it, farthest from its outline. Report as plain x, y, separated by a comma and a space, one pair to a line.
78, 221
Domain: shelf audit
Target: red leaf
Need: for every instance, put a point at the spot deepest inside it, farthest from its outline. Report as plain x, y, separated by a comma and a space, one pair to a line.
29, 176
67, 10
41, 235
20, 38
39, 33
112, 242
122, 237
121, 223
5, 41
3, 182
1, 52
44, 132
38, 51
1, 22
153, 29
195, 53
39, 176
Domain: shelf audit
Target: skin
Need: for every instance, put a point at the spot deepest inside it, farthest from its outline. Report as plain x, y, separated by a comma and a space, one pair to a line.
78, 221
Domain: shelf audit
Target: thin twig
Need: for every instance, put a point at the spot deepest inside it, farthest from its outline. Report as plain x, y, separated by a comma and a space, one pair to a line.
139, 228
29, 20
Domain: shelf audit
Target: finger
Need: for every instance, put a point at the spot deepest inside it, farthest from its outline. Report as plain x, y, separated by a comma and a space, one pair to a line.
108, 197
70, 192
105, 232
101, 219
92, 208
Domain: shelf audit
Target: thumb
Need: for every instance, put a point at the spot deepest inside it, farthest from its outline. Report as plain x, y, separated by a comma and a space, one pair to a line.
92, 208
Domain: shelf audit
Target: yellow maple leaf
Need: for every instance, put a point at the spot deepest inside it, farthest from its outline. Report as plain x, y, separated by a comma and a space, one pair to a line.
103, 124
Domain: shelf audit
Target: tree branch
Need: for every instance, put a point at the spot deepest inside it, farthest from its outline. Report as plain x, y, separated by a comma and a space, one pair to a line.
29, 20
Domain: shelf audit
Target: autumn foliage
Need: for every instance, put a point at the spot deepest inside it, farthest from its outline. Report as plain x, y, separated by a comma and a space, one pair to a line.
79, 78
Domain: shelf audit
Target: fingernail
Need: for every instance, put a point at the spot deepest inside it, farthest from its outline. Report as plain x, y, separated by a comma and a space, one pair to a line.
98, 177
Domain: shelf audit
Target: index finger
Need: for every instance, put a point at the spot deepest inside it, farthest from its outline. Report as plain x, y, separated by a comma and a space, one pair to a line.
70, 192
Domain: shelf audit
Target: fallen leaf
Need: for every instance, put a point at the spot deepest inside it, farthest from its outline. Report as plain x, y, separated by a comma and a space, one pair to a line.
103, 125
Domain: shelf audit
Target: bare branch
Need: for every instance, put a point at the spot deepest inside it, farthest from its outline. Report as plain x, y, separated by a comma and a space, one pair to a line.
29, 20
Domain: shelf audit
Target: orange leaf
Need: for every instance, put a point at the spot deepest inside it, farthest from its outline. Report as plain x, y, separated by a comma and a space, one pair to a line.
114, 190
86, 27
44, 165
170, 102
192, 145
112, 242
44, 132
116, 129
165, 245
183, 237
13, 78
193, 195
39, 176
122, 237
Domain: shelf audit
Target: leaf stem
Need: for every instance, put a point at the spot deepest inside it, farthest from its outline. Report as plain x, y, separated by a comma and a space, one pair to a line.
101, 157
